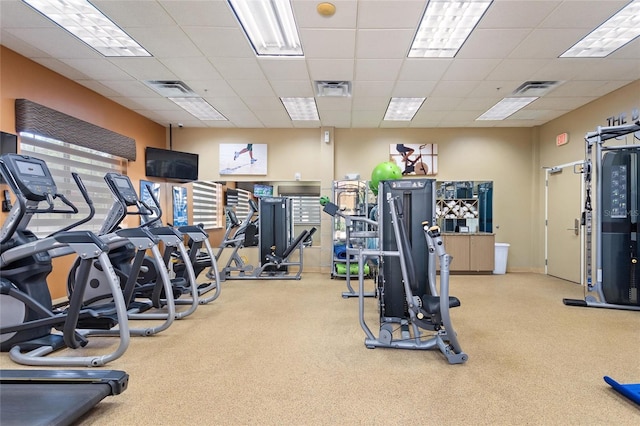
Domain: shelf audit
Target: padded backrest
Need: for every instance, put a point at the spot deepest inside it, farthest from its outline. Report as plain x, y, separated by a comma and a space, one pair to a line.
301, 237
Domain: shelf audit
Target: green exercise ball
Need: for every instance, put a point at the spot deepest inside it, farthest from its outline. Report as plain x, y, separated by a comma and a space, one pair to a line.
387, 170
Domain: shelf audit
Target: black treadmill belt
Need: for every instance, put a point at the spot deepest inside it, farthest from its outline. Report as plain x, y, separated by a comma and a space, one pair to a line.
48, 404
54, 397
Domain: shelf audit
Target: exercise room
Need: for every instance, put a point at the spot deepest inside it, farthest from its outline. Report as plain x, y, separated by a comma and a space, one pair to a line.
355, 212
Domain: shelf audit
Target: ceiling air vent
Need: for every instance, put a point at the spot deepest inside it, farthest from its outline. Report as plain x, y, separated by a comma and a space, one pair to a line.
333, 88
171, 88
536, 88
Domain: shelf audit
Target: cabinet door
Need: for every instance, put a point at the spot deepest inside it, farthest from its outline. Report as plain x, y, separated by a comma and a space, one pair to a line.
482, 248
458, 247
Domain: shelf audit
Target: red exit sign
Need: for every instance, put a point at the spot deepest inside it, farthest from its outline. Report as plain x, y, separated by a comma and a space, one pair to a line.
562, 139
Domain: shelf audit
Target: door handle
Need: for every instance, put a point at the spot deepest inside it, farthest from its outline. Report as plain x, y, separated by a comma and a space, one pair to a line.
576, 227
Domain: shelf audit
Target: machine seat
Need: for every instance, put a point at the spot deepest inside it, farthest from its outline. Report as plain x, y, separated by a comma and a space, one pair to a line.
431, 304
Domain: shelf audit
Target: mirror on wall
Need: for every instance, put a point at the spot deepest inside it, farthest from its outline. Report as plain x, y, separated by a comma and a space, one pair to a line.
306, 210
464, 206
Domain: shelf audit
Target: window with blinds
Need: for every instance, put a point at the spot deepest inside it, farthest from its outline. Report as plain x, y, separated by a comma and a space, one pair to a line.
242, 204
63, 158
207, 204
306, 209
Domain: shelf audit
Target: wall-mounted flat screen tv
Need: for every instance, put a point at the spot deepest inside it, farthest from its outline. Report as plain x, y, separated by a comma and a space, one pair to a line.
262, 190
169, 164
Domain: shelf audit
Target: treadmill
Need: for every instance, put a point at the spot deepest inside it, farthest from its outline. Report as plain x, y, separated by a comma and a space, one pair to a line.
54, 397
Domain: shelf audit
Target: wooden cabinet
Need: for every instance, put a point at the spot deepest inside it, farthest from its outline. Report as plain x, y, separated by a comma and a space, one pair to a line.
470, 252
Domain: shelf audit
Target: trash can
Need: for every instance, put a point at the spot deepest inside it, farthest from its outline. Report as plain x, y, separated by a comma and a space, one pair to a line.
501, 253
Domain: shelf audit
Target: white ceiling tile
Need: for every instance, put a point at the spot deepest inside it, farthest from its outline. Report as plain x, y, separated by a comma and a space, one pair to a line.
410, 89
470, 69
238, 68
165, 42
284, 68
98, 69
262, 102
455, 89
383, 44
585, 15
292, 88
252, 88
391, 15
200, 13
492, 43
377, 69
55, 42
220, 42
518, 69
191, 68
331, 70
328, 43
549, 44
517, 14
424, 69
372, 88
128, 13
330, 103
144, 68
307, 16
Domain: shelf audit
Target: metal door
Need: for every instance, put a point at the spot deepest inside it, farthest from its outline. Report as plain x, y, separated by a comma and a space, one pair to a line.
564, 203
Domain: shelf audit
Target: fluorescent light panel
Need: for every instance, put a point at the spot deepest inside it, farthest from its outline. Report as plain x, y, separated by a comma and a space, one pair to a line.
301, 109
269, 25
445, 26
611, 35
83, 20
199, 108
402, 109
505, 108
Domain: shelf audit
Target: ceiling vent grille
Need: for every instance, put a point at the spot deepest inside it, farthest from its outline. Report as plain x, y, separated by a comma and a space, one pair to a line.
536, 88
339, 89
171, 88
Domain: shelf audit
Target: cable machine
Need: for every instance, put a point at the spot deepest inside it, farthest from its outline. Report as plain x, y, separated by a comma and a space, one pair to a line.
611, 226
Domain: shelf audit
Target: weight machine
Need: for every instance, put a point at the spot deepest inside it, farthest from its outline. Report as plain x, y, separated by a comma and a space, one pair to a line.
611, 228
408, 296
275, 244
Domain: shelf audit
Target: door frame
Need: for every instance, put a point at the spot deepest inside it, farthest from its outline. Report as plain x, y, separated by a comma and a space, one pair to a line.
549, 171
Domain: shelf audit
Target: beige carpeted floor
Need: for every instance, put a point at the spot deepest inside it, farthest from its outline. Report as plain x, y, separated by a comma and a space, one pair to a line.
292, 352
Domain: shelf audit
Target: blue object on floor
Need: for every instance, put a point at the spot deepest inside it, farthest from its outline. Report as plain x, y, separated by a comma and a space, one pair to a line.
631, 391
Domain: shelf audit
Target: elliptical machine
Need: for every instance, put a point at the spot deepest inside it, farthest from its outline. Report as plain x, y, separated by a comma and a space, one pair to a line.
127, 258
27, 315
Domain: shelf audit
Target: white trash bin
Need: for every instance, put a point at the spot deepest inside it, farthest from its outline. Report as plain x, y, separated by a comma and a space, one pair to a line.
501, 254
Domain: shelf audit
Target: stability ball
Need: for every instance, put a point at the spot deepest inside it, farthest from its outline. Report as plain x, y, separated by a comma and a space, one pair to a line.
387, 170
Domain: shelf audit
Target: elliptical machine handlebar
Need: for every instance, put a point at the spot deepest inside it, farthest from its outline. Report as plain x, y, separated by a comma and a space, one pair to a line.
35, 185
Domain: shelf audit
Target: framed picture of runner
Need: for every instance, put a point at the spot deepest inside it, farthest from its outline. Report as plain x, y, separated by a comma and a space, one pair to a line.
243, 159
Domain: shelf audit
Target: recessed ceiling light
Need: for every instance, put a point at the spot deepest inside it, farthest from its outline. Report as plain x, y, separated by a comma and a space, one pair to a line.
269, 25
611, 35
301, 109
445, 26
199, 108
84, 21
505, 108
402, 109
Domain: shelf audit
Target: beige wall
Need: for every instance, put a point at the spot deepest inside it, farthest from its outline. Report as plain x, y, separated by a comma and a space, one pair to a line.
504, 156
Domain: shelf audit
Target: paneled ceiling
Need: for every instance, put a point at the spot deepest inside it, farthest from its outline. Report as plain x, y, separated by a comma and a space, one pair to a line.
364, 42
